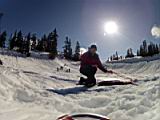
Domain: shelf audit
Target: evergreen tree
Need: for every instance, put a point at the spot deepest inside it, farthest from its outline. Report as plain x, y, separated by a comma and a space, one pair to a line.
3, 39
116, 56
40, 45
44, 43
145, 46
67, 49
55, 42
151, 49
19, 42
156, 49
50, 41
70, 49
27, 45
33, 42
77, 52
52, 44
129, 53
111, 58
148, 50
12, 42
142, 51
138, 53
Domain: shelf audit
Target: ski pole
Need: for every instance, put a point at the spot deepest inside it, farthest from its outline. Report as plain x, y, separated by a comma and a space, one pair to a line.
123, 76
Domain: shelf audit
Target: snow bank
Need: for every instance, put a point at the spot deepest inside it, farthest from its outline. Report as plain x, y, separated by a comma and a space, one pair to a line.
28, 91
37, 55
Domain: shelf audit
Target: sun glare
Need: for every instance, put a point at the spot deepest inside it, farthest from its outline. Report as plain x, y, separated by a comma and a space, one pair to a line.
110, 27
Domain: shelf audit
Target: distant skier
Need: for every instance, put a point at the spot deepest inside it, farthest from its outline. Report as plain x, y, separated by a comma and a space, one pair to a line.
89, 63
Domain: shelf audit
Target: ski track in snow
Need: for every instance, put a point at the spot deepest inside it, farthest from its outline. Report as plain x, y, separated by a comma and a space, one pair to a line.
31, 89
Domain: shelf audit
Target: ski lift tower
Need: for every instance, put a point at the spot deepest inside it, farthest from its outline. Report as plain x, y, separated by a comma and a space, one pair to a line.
1, 15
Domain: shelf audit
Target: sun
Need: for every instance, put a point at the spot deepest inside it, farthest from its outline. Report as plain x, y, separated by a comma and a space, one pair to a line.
110, 27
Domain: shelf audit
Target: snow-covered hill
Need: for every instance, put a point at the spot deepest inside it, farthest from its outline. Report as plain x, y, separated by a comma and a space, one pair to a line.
32, 89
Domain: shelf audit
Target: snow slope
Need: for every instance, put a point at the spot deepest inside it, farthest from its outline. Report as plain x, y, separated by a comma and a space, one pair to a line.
32, 89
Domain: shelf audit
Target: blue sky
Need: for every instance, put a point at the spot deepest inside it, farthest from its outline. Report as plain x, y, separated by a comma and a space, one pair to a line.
83, 20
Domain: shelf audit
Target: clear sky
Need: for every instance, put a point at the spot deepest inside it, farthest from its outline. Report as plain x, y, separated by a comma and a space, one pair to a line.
84, 20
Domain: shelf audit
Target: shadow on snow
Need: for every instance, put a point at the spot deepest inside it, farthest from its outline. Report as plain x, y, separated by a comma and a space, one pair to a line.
78, 90
101, 88
66, 91
63, 79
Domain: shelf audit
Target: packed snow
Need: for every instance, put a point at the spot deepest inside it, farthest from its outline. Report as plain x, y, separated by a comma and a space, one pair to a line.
32, 89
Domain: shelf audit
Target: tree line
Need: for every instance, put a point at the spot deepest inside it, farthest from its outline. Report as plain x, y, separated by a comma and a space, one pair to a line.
67, 50
47, 43
146, 49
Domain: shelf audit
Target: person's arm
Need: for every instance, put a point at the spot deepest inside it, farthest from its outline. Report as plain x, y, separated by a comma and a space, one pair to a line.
100, 66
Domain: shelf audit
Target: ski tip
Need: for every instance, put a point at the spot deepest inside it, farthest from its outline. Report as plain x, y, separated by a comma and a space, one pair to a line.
133, 82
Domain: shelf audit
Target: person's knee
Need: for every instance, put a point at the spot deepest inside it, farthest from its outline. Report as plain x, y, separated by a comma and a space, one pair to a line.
88, 70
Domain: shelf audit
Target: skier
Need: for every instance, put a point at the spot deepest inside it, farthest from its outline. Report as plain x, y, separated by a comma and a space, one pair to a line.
89, 63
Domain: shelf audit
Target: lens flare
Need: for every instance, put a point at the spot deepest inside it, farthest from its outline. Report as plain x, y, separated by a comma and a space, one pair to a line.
155, 31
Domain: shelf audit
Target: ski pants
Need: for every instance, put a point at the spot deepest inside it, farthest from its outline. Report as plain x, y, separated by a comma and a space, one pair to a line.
90, 72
